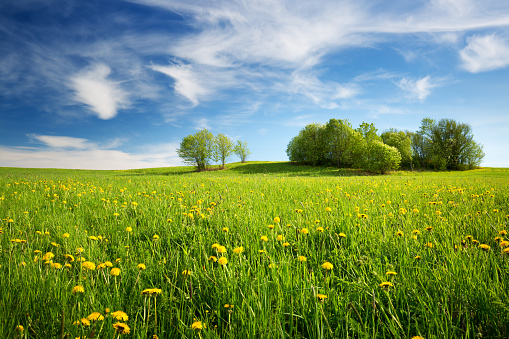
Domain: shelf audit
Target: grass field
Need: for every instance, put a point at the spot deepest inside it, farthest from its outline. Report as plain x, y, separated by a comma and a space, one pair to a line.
258, 250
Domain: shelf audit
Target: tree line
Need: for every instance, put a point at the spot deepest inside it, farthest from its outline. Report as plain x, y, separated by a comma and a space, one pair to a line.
201, 148
441, 145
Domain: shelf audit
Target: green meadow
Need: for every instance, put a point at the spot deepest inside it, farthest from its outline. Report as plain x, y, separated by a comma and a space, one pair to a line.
258, 250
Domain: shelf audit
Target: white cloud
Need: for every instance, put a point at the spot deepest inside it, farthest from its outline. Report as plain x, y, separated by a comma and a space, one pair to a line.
485, 53
82, 157
62, 142
202, 123
417, 88
94, 89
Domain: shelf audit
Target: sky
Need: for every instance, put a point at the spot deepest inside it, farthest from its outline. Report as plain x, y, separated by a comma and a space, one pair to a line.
117, 84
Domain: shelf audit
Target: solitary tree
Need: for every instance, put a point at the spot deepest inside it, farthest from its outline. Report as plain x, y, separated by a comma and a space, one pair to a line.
197, 149
224, 147
241, 150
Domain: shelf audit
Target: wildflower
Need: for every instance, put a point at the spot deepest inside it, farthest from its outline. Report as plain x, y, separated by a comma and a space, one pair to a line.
391, 273
108, 264
121, 328
286, 244
186, 272
417, 257
212, 258
430, 245
416, 232
327, 266
83, 321
79, 250
399, 233
429, 228
506, 250
221, 249
417, 337
115, 271
95, 316
119, 315
386, 284
272, 266
78, 289
238, 250
502, 233
141, 266
19, 328
302, 258
88, 265
152, 291
56, 265
215, 245
66, 235
304, 231
197, 325
504, 243
415, 210
92, 237
222, 261
277, 220
48, 256
321, 297
280, 237
155, 237
271, 226
484, 247
342, 235
225, 229
129, 229
319, 229
264, 238
69, 257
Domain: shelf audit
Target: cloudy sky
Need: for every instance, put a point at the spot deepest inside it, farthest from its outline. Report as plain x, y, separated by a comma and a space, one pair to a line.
117, 84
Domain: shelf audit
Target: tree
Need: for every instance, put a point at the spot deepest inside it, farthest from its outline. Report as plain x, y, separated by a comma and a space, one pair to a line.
241, 150
450, 144
223, 148
381, 157
197, 149
402, 142
309, 146
340, 143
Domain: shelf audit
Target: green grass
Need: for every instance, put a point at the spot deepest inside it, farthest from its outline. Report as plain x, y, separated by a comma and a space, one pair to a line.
455, 290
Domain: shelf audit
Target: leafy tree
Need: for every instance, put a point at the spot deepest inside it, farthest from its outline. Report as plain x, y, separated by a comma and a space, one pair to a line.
197, 149
450, 144
342, 143
402, 142
309, 146
241, 150
223, 148
381, 157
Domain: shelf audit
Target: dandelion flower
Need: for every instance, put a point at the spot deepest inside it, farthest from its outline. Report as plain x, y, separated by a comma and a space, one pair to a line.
19, 328
238, 250
155, 237
88, 265
264, 238
221, 249
115, 271
502, 233
328, 209
66, 235
327, 266
213, 258
280, 237
119, 315
121, 328
342, 235
222, 261
272, 266
225, 229
286, 244
95, 316
152, 291
78, 289
484, 247
48, 256
504, 243
277, 220
302, 258
197, 325
319, 229
129, 229
386, 284
399, 233
304, 231
417, 337
216, 245
391, 273
321, 297
186, 272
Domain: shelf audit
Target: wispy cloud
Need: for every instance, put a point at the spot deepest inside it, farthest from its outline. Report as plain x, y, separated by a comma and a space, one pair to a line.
62, 141
417, 88
104, 96
485, 53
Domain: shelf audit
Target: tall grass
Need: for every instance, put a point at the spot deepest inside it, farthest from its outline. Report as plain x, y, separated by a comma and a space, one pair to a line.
405, 251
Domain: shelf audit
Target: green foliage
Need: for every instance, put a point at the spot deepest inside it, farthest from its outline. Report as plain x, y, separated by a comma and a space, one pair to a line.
344, 145
197, 149
381, 158
402, 142
241, 150
309, 146
223, 148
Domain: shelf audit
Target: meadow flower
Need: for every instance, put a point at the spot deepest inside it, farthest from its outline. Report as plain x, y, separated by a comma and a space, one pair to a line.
216, 245
48, 256
121, 328
271, 227
155, 237
302, 258
286, 244
213, 258
417, 257
69, 257
484, 247
391, 273
327, 266
152, 291
502, 233
238, 250
342, 235
141, 266
506, 250
280, 237
417, 337
129, 229
304, 231
221, 249
79, 250
66, 235
82, 321
197, 325
504, 243
78, 289
225, 229
277, 220
386, 284
264, 238
88, 265
328, 209
272, 266
19, 328
56, 266
222, 261
108, 264
399, 233
95, 316
115, 271
321, 297
119, 315
430, 245
186, 272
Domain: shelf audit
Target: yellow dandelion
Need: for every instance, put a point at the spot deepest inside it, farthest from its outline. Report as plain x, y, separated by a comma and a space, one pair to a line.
78, 289
119, 315
213, 258
216, 245
302, 258
271, 226
391, 273
277, 220
121, 328
504, 243
108, 264
238, 250
19, 328
129, 229
66, 235
152, 291
222, 261
286, 244
225, 229
304, 231
327, 266
221, 249
141, 266
95, 316
399, 233
155, 237
186, 272
88, 265
264, 238
280, 237
319, 229
342, 235
321, 297
386, 284
197, 325
115, 271
328, 209
484, 247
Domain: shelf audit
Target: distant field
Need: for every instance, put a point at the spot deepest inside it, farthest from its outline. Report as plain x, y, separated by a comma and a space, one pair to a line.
258, 250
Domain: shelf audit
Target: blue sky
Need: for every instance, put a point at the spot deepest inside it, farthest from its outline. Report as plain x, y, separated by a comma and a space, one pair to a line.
117, 84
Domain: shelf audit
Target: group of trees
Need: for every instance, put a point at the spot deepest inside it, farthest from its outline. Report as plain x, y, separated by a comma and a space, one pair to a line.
441, 145
201, 148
